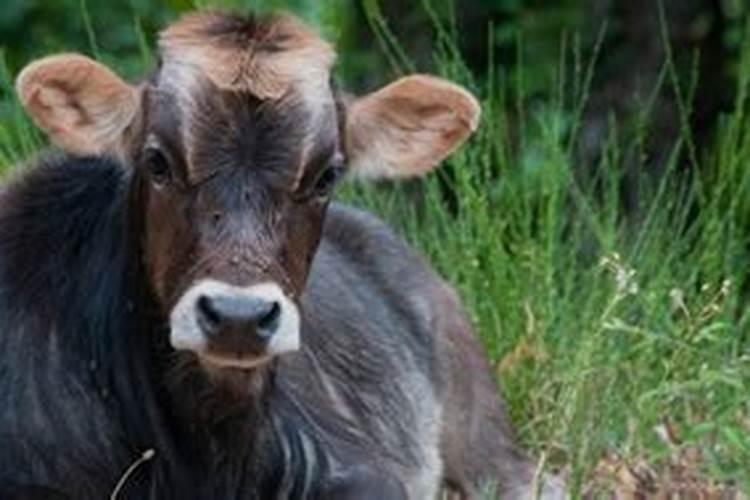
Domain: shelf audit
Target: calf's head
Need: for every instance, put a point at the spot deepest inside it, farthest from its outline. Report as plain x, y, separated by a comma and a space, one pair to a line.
234, 144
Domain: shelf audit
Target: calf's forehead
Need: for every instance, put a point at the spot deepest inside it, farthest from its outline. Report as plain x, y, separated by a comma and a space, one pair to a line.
264, 56
225, 76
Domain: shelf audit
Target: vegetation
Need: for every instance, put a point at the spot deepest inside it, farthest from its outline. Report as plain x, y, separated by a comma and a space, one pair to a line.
618, 331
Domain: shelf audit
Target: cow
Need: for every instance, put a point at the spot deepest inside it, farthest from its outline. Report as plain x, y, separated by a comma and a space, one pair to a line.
185, 313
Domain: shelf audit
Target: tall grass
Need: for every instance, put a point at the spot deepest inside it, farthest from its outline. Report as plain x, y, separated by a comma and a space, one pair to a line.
602, 325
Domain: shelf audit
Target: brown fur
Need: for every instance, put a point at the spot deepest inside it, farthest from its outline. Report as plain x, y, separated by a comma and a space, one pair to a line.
263, 57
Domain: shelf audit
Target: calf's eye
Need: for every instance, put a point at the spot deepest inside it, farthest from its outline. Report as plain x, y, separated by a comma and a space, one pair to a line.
328, 178
158, 166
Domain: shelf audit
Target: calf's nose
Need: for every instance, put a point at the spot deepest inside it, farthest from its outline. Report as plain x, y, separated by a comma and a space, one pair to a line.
241, 314
235, 325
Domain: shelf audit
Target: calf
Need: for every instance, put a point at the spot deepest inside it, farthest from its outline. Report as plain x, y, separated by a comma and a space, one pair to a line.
177, 286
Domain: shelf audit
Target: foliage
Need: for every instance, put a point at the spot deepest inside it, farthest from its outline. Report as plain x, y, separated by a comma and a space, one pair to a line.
603, 329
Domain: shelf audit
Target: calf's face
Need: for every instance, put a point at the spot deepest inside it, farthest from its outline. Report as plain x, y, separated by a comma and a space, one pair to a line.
235, 143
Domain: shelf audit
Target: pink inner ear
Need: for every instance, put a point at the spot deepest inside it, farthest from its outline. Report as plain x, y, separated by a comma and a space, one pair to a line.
79, 103
409, 127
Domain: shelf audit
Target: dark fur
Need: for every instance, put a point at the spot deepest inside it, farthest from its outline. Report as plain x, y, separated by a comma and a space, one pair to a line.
84, 371
389, 395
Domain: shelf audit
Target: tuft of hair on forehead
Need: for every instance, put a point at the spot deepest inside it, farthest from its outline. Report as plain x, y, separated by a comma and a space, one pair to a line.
261, 55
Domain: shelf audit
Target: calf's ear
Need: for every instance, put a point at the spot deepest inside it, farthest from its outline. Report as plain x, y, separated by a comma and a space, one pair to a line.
408, 127
82, 105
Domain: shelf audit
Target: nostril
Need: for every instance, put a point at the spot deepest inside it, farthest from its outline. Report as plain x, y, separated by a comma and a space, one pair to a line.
269, 322
208, 316
216, 218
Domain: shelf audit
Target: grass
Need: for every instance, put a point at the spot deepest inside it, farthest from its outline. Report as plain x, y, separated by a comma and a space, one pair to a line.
613, 334
606, 328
